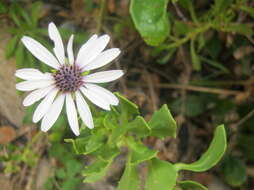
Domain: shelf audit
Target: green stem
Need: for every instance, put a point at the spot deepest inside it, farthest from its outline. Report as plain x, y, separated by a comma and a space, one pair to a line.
190, 36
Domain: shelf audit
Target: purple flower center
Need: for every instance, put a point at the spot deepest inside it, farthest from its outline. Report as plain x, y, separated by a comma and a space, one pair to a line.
68, 78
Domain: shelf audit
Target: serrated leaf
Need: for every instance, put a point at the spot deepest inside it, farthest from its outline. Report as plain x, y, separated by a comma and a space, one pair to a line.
117, 133
191, 185
139, 127
161, 175
95, 171
234, 171
128, 107
110, 121
211, 156
151, 20
88, 144
79, 144
139, 152
162, 123
130, 179
107, 153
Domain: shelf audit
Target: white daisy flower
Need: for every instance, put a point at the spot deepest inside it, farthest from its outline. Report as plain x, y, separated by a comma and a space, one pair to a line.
68, 83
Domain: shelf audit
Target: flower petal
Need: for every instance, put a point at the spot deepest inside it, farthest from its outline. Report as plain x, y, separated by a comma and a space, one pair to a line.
103, 93
33, 84
93, 51
44, 106
37, 95
96, 99
70, 50
84, 111
85, 48
58, 43
103, 76
51, 116
72, 114
40, 52
102, 59
31, 74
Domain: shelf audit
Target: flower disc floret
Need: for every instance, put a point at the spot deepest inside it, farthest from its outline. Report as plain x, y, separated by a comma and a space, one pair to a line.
68, 78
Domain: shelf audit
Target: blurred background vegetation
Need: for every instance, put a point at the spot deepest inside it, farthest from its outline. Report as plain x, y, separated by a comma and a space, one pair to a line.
194, 55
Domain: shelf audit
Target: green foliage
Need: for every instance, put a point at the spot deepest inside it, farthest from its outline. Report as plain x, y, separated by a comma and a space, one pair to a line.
66, 176
130, 179
123, 127
139, 152
161, 175
234, 171
211, 156
151, 20
191, 185
25, 23
162, 123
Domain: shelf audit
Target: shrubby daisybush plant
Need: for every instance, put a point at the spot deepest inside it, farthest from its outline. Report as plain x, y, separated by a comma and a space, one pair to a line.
68, 83
108, 132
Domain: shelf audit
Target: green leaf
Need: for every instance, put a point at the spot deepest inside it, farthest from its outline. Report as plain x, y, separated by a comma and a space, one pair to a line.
244, 29
161, 175
73, 167
117, 133
234, 171
110, 121
35, 12
139, 152
95, 142
22, 12
194, 57
221, 5
181, 28
13, 14
95, 171
248, 10
70, 184
60, 173
128, 109
79, 144
151, 20
88, 144
139, 127
11, 46
191, 185
107, 153
129, 179
19, 56
3, 8
211, 156
162, 123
